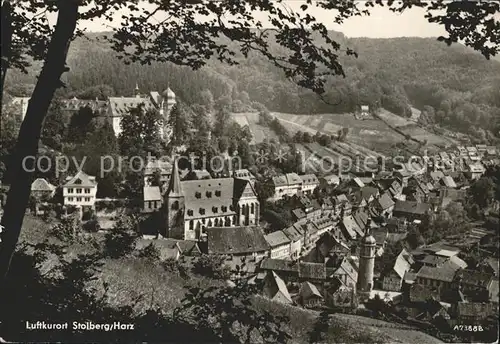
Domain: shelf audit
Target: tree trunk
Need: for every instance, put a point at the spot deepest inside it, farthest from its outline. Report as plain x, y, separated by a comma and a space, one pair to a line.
6, 41
29, 134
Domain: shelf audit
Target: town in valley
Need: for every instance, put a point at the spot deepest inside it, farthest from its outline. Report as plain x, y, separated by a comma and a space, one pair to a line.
165, 198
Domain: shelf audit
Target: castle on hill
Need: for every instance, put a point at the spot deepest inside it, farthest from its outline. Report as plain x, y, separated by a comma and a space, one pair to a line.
120, 106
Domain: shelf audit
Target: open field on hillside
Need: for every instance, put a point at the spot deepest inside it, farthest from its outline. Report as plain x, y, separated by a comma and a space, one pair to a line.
259, 132
372, 134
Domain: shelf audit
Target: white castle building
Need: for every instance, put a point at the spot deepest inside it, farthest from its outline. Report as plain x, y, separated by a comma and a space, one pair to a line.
120, 106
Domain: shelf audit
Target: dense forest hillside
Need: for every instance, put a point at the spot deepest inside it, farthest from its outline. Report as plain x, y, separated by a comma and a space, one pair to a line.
453, 86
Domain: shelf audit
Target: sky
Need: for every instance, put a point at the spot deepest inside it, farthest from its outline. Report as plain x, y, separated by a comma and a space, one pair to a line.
382, 23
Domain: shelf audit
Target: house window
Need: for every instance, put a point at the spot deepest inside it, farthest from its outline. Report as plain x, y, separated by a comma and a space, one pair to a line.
70, 190
87, 199
78, 199
209, 194
252, 209
215, 209
190, 212
217, 193
78, 191
191, 224
87, 190
175, 205
202, 211
197, 194
70, 199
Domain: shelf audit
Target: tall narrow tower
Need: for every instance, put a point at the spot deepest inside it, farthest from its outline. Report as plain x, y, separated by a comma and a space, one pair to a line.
174, 205
167, 104
137, 92
366, 261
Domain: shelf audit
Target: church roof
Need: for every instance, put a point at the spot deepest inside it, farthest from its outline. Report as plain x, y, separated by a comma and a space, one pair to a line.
235, 240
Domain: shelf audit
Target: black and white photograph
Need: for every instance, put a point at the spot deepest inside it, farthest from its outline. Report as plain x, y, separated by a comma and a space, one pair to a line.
250, 171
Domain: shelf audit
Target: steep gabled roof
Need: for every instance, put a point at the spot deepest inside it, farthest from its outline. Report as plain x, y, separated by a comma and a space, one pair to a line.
307, 290
275, 288
174, 184
81, 179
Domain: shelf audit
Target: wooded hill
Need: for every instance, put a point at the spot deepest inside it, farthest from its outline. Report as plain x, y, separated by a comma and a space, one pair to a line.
454, 86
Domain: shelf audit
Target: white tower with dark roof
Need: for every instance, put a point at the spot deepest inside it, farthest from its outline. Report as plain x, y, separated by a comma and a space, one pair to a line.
366, 261
167, 104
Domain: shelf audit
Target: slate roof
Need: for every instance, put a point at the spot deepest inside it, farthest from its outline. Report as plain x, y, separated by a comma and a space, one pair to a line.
410, 207
213, 197
309, 179
152, 193
276, 239
436, 175
235, 240
332, 179
402, 264
323, 222
458, 261
475, 278
280, 181
279, 265
122, 105
292, 233
298, 213
41, 184
351, 226
475, 309
358, 182
293, 178
81, 179
493, 264
361, 219
385, 201
274, 285
449, 182
312, 270
445, 272
243, 174
308, 290
422, 293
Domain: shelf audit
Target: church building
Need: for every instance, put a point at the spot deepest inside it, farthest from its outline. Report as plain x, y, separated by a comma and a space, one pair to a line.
191, 206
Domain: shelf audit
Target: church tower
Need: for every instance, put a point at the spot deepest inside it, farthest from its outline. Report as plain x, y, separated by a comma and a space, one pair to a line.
174, 205
366, 261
